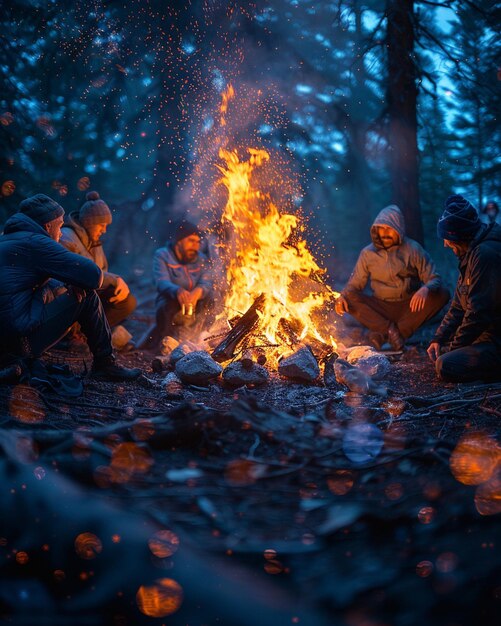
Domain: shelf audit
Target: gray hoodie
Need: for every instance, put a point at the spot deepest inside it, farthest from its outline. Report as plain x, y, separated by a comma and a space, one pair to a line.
397, 272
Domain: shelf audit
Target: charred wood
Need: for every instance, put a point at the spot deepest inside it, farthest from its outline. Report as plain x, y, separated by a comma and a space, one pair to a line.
226, 349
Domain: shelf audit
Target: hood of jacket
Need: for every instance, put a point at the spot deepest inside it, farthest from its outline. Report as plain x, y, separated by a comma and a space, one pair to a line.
486, 234
19, 222
389, 216
71, 221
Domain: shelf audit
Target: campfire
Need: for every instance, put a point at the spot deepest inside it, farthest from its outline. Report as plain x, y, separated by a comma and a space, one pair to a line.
274, 284
274, 297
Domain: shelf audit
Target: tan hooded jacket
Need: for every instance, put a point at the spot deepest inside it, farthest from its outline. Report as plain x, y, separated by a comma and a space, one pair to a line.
75, 238
395, 273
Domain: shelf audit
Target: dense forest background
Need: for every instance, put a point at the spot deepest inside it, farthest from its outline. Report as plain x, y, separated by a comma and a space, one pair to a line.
360, 102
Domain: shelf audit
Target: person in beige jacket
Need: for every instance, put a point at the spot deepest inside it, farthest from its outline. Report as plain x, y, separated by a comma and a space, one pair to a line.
405, 288
81, 234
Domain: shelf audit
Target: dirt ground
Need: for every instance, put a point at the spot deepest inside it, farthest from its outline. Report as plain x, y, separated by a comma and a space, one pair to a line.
300, 503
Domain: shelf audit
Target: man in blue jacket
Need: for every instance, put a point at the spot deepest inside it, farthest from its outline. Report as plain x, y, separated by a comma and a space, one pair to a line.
183, 283
467, 344
44, 289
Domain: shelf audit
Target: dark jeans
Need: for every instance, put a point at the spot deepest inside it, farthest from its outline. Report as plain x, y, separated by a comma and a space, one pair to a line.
166, 309
58, 317
377, 315
480, 361
116, 312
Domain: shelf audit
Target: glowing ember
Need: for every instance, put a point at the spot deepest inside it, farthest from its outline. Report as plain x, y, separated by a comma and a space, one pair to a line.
266, 254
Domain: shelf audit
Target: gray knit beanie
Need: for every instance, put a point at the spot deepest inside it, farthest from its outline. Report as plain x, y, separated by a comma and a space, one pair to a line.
94, 211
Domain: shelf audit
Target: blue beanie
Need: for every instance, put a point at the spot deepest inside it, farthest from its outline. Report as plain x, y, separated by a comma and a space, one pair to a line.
459, 221
41, 208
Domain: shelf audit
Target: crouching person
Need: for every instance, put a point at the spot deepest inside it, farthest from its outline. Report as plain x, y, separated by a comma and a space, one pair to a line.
44, 289
406, 289
467, 344
182, 278
81, 233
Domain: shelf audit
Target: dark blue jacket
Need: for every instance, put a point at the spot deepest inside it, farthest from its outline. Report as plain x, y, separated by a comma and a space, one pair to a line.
170, 274
28, 259
475, 311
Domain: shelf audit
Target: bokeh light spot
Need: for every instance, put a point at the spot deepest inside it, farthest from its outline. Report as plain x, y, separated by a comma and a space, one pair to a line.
22, 558
88, 546
362, 442
340, 482
424, 569
161, 599
475, 458
83, 183
488, 497
164, 543
426, 514
8, 188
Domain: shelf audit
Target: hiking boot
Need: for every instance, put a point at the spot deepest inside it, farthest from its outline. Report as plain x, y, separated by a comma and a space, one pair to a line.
395, 338
107, 369
376, 340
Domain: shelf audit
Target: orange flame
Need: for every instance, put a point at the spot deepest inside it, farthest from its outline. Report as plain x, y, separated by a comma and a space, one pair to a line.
228, 95
261, 257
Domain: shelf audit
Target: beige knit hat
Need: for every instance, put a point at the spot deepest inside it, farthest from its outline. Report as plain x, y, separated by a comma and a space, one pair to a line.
94, 211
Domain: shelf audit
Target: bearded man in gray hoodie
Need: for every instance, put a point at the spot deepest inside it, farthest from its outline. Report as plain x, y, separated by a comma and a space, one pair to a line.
405, 288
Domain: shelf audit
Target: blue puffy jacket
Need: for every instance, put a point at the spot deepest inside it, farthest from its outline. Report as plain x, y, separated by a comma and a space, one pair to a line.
170, 274
29, 258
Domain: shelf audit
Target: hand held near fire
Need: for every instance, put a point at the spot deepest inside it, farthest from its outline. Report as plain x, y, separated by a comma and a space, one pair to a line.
341, 306
121, 291
418, 300
434, 351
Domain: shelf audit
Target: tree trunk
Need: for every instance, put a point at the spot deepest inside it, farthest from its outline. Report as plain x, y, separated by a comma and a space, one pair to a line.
402, 99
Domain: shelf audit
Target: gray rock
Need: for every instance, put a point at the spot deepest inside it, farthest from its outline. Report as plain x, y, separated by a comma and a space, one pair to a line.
179, 352
172, 385
236, 375
301, 365
197, 368
355, 379
372, 363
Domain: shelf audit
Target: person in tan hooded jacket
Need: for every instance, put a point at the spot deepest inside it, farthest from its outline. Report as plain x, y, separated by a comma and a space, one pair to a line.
81, 234
406, 289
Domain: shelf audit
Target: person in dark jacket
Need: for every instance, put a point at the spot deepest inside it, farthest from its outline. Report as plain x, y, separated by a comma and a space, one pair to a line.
406, 288
183, 282
81, 233
490, 213
44, 289
467, 344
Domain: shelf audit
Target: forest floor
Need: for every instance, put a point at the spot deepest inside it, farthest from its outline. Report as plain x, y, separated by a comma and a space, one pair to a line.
293, 503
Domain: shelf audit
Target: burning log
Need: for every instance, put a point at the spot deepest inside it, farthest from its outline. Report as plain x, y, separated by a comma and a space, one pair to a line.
226, 349
289, 331
251, 356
